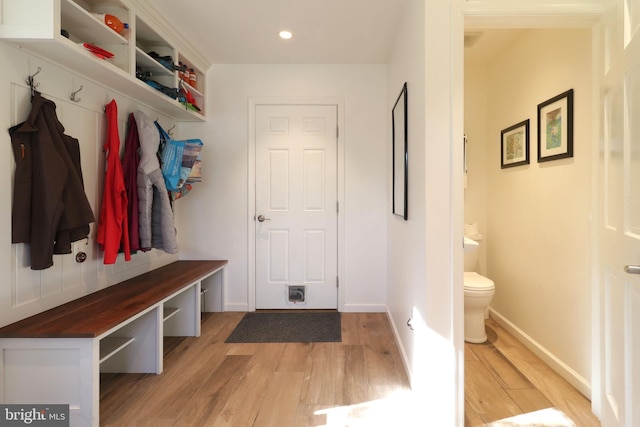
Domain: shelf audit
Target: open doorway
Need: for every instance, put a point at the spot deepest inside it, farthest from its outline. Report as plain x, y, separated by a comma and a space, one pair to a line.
529, 215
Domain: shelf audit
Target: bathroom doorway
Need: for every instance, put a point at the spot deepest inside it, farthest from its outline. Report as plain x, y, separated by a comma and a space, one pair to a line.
525, 213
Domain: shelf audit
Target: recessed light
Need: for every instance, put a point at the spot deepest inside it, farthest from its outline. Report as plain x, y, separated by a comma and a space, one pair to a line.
284, 34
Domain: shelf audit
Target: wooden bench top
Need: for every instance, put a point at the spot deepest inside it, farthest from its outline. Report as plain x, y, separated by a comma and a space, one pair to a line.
98, 312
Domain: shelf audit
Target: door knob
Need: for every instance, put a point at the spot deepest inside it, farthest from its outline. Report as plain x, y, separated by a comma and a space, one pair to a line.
632, 269
263, 218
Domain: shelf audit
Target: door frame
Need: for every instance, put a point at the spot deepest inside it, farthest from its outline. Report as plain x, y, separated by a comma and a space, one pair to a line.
251, 182
537, 14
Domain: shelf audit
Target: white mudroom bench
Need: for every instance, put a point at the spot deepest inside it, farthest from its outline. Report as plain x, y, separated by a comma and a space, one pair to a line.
56, 357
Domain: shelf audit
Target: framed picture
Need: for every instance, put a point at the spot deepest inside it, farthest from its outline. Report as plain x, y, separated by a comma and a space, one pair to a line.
555, 127
515, 145
400, 156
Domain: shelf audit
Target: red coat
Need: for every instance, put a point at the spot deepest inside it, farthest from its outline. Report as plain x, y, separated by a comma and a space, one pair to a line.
113, 226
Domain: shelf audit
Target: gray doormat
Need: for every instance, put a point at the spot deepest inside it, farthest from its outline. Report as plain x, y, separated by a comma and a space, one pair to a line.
287, 327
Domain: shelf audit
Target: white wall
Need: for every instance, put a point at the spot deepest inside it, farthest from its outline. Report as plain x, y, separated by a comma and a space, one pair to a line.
215, 216
24, 292
537, 216
475, 127
406, 240
423, 250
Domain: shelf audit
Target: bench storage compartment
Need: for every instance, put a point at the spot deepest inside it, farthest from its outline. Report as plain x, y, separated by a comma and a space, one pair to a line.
56, 357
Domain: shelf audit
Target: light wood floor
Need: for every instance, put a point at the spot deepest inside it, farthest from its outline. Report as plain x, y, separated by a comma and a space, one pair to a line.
209, 383
357, 382
507, 385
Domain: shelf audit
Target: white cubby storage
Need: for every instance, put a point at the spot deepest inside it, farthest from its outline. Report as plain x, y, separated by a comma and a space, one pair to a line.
36, 25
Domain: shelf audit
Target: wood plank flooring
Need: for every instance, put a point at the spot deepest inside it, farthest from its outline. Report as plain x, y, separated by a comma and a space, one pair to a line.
357, 382
207, 382
507, 385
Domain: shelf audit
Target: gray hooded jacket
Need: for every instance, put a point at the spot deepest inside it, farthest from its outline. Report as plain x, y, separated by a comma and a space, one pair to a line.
156, 216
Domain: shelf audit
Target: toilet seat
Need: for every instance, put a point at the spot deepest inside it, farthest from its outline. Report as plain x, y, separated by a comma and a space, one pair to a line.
476, 282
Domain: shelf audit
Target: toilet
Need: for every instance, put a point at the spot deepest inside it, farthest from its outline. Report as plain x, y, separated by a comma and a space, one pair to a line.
478, 292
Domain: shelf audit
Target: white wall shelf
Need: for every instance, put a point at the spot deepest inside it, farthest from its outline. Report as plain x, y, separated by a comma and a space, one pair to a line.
36, 26
150, 64
86, 26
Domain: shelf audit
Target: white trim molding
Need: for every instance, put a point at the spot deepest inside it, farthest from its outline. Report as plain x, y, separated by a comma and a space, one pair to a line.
532, 14
561, 368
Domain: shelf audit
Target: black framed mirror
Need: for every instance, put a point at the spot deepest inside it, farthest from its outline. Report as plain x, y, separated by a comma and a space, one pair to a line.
400, 160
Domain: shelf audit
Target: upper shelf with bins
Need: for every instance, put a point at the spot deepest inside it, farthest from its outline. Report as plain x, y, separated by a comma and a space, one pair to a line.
197, 92
147, 40
88, 27
36, 25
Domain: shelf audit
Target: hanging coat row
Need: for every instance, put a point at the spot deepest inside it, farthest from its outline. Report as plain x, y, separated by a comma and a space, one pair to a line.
136, 211
50, 208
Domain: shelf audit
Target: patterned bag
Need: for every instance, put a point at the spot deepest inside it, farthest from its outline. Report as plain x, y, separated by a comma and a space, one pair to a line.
177, 158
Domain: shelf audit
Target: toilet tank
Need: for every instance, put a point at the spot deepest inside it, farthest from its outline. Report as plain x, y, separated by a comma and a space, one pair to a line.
471, 252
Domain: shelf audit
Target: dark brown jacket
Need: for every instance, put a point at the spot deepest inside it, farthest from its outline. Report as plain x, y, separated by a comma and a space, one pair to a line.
50, 207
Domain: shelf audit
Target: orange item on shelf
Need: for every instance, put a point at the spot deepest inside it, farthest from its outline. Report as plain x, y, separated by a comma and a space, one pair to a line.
192, 78
112, 22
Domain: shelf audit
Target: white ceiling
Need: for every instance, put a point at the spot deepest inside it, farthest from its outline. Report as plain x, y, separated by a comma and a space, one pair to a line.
324, 31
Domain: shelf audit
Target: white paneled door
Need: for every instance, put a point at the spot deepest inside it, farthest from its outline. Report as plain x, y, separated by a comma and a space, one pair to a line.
619, 199
296, 206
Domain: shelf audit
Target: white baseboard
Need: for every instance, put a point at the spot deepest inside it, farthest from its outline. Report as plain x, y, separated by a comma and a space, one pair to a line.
347, 308
403, 353
562, 369
363, 308
236, 307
